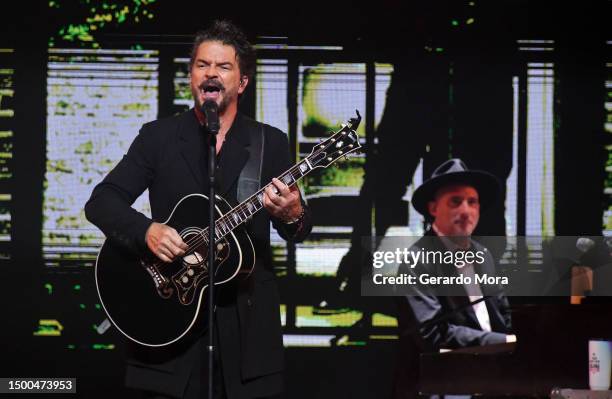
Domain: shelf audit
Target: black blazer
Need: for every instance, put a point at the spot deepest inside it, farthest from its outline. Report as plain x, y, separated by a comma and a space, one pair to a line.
167, 157
461, 329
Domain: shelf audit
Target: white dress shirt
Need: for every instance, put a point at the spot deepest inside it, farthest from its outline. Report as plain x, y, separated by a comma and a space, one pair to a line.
473, 290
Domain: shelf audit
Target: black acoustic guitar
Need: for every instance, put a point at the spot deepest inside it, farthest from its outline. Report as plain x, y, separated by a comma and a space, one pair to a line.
154, 303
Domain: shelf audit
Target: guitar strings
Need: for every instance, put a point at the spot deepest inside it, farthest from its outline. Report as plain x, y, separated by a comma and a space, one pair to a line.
203, 236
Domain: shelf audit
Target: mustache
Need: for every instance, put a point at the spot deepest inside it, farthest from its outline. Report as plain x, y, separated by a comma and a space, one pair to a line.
211, 83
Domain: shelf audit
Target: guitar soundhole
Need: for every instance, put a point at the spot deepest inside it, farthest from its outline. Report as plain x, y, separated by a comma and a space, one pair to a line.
192, 236
194, 259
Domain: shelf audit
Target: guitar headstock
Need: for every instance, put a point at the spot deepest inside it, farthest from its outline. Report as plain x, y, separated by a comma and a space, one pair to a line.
341, 143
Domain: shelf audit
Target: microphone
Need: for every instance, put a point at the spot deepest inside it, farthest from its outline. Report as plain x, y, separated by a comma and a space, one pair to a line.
211, 112
584, 244
594, 253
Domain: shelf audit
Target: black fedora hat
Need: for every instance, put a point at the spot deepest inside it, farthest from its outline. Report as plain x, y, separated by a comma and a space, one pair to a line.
451, 172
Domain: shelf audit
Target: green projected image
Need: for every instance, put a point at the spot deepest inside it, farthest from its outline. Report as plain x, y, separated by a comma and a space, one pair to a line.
271, 92
328, 95
7, 134
306, 317
99, 98
49, 328
182, 90
97, 101
88, 18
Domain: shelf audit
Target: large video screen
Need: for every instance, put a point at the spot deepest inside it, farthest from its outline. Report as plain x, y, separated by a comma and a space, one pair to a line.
99, 98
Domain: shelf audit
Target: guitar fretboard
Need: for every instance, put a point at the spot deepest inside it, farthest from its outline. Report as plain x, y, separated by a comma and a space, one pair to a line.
249, 207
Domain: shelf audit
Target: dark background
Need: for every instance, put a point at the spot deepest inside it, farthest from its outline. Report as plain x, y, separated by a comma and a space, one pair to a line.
385, 31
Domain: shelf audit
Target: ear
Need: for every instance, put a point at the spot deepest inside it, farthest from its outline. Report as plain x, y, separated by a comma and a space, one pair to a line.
432, 208
244, 81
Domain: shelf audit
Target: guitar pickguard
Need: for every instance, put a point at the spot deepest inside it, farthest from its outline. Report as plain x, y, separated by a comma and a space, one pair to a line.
194, 270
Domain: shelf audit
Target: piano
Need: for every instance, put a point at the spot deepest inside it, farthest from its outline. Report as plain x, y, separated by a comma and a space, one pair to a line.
551, 352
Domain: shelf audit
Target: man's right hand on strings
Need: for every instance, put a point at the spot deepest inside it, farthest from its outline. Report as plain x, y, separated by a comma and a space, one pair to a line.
164, 242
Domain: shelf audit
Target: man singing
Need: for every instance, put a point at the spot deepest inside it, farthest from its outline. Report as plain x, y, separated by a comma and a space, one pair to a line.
169, 158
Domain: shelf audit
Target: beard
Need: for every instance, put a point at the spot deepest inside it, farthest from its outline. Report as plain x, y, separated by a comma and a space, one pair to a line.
225, 101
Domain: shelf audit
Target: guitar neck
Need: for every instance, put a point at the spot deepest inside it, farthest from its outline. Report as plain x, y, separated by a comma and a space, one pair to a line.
249, 207
324, 154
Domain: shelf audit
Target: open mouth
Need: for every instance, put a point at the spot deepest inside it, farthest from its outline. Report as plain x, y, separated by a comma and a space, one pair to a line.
211, 91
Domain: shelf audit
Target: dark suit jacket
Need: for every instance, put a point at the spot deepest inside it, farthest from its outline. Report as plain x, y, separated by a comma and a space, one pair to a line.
460, 329
167, 158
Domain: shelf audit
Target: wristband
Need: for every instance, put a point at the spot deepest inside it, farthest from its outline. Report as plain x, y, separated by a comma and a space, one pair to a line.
298, 219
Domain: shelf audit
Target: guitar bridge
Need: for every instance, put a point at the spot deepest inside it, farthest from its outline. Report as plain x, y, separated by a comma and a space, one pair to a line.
162, 284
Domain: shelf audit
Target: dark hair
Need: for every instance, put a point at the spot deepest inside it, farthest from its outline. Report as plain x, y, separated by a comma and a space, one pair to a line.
229, 34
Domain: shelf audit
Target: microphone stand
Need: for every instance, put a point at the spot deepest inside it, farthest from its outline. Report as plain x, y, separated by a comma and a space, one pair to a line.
209, 109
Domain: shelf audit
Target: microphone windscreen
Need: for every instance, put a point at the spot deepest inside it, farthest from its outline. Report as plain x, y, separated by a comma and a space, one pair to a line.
584, 244
210, 111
